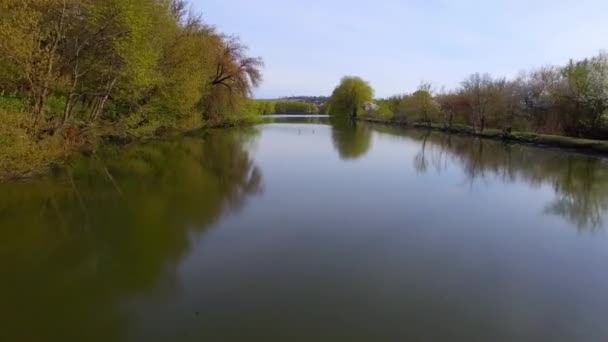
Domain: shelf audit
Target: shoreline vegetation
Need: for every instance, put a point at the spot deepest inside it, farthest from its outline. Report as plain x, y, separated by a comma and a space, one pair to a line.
77, 73
270, 107
47, 161
588, 146
558, 106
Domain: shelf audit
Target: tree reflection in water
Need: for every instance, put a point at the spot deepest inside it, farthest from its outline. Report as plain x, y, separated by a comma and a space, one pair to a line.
351, 139
580, 182
111, 227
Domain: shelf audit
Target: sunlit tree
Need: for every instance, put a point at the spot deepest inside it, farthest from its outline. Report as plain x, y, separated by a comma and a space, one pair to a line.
349, 96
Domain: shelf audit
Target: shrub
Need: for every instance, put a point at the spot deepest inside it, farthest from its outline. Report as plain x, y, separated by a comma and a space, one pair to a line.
21, 152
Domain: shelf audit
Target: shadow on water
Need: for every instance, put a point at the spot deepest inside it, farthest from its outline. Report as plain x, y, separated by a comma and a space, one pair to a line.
579, 182
111, 227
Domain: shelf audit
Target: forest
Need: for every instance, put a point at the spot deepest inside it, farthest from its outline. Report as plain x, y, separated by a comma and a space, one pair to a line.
75, 71
569, 100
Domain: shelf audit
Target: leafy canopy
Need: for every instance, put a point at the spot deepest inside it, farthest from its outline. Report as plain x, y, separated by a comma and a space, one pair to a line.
349, 96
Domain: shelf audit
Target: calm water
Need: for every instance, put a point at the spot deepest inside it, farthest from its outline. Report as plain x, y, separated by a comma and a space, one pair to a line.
298, 230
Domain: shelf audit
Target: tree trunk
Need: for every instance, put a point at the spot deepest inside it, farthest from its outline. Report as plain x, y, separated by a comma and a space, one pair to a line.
103, 101
40, 102
450, 119
93, 104
40, 109
68, 107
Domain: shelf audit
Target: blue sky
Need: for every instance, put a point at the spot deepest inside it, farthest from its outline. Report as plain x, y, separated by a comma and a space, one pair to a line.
308, 45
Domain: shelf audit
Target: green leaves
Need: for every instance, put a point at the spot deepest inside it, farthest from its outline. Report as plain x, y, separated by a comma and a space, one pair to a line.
149, 56
348, 97
295, 107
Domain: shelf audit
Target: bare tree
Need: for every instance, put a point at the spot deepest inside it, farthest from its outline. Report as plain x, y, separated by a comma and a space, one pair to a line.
477, 87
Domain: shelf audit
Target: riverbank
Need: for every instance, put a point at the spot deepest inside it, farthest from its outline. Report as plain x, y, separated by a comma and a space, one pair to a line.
544, 140
24, 156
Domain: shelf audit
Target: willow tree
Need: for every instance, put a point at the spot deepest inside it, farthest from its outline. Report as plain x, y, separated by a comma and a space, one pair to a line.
235, 75
349, 96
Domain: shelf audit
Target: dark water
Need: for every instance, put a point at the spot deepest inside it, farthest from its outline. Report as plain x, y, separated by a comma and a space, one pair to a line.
301, 231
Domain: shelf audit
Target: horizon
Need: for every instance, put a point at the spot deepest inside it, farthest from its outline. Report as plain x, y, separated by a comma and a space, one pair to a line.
437, 42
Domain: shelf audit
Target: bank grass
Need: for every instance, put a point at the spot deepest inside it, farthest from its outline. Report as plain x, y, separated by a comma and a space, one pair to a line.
23, 153
525, 137
12, 104
600, 146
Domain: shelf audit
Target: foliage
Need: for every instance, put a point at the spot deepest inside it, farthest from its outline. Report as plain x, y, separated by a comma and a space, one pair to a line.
13, 104
20, 152
383, 111
134, 65
260, 107
266, 107
295, 107
349, 96
571, 100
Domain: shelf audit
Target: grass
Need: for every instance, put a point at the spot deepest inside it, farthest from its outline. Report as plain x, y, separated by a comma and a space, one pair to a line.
559, 141
22, 153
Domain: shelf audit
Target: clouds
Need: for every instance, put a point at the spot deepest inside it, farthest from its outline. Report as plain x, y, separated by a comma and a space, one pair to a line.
309, 45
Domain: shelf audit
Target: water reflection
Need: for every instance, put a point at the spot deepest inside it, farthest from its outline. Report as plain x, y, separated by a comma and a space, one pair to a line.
137, 243
582, 193
292, 118
579, 182
75, 245
351, 139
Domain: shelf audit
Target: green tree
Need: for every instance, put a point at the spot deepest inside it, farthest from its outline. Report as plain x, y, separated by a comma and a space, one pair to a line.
295, 107
236, 74
349, 96
30, 35
186, 67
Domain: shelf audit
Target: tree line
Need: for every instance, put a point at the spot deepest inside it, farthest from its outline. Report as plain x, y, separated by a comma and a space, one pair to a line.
155, 60
266, 107
569, 100
72, 71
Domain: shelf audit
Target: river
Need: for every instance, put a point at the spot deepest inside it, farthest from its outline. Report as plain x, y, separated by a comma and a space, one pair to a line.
302, 230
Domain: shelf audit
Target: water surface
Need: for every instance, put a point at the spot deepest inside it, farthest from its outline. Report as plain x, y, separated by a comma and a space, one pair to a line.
298, 230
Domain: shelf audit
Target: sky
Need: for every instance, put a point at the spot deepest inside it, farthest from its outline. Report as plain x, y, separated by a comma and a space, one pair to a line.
308, 45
